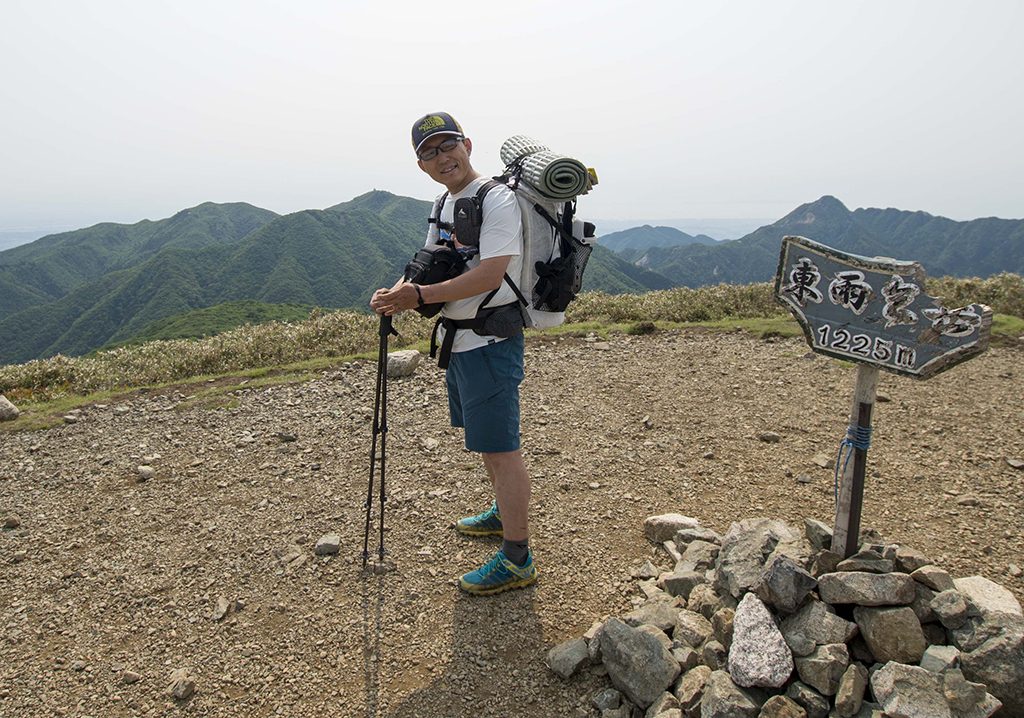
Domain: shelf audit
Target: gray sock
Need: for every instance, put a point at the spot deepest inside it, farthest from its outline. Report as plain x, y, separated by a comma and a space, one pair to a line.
516, 551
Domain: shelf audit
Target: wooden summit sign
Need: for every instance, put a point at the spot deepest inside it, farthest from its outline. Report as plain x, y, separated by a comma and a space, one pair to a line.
872, 311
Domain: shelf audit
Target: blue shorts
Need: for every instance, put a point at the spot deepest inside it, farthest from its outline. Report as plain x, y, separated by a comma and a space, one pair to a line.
483, 394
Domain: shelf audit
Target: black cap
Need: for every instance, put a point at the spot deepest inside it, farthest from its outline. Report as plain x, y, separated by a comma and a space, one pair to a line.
436, 123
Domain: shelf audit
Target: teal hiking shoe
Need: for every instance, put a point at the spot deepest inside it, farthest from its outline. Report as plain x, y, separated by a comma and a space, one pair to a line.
486, 524
497, 575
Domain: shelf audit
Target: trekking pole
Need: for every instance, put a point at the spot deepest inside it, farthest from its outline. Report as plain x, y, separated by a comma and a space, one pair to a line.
380, 428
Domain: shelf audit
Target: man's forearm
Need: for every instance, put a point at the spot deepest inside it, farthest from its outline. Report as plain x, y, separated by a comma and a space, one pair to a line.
483, 278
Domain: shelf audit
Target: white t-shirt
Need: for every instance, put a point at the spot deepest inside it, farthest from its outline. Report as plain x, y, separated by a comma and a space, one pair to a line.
501, 234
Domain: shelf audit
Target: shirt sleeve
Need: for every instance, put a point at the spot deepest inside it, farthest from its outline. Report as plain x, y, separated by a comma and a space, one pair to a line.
501, 234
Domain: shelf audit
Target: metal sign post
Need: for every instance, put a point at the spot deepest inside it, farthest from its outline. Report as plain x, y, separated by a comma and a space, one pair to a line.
872, 311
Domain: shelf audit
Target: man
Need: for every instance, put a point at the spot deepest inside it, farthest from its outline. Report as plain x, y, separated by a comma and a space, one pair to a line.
484, 372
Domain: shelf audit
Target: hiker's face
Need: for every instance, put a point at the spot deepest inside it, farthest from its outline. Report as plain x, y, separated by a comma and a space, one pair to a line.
452, 168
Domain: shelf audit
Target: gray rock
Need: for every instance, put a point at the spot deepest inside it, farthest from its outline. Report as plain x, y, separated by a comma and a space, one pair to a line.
686, 536
998, 663
698, 556
638, 664
867, 589
824, 561
221, 609
722, 626
909, 692
783, 584
705, 600
566, 659
935, 634
623, 711
662, 528
608, 699
403, 363
850, 694
714, 655
823, 669
681, 583
130, 677
8, 411
816, 621
922, 603
658, 634
974, 632
724, 699
951, 608
819, 535
934, 578
688, 658
658, 613
809, 699
746, 548
940, 658
859, 650
647, 570
759, 655
691, 628
327, 545
799, 644
144, 473
182, 686
665, 702
691, 689
781, 707
867, 710
672, 550
892, 633
11, 522
868, 561
908, 560
987, 597
769, 437
961, 694
593, 643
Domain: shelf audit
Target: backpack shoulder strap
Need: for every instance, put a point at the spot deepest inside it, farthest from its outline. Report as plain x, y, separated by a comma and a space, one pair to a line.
435, 212
484, 189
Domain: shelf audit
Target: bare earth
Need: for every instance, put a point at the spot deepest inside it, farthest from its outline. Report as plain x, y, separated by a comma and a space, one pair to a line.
106, 575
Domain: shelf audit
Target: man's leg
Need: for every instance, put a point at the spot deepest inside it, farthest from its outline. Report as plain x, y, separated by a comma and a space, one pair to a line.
512, 489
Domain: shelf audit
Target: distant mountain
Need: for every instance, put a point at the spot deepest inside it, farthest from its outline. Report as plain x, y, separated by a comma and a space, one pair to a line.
645, 237
979, 247
50, 267
112, 283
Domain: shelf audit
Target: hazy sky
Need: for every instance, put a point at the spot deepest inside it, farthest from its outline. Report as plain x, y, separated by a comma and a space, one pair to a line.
119, 111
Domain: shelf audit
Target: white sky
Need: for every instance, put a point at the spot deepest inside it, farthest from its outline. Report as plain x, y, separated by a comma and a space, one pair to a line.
119, 111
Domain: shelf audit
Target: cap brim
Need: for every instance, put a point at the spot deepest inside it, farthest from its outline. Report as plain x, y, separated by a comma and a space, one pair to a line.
435, 134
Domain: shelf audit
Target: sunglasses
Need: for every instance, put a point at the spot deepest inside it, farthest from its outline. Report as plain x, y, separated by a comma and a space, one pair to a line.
446, 146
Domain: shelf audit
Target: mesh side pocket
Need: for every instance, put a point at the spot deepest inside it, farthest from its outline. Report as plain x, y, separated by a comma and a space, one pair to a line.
560, 280
580, 255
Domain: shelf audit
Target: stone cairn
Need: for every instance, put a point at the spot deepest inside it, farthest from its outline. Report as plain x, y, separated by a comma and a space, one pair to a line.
768, 622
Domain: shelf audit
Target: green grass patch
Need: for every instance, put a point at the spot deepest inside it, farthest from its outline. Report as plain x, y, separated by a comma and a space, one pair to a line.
1007, 327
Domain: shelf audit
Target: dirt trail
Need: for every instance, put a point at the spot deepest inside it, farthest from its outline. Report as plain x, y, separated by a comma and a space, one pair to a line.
106, 575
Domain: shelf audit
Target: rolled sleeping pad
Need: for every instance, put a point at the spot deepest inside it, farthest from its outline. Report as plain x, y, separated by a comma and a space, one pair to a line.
554, 176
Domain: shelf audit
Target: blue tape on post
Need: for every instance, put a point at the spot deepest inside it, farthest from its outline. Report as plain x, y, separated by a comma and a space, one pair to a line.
857, 437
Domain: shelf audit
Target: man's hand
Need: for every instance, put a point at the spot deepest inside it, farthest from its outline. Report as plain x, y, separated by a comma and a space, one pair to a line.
400, 297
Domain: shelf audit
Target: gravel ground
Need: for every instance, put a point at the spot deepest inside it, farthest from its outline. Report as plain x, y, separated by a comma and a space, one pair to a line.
110, 584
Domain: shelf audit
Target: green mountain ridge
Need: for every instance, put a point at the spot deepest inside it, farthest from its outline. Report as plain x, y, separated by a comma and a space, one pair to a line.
638, 239
944, 247
51, 267
331, 258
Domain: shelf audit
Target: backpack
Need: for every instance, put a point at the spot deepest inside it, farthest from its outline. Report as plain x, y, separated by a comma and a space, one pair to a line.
556, 247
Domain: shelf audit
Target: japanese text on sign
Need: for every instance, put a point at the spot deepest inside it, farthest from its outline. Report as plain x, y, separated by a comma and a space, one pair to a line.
874, 310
